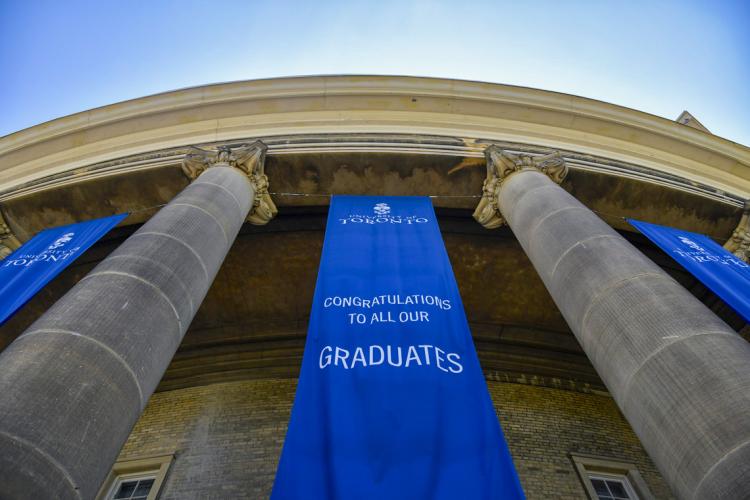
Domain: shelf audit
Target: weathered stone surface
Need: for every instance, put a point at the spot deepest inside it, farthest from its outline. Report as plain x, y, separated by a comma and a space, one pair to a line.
8, 241
739, 243
679, 374
699, 420
250, 159
73, 384
500, 165
67, 403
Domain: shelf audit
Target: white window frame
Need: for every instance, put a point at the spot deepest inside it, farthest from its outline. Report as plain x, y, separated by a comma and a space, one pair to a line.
141, 468
596, 467
620, 478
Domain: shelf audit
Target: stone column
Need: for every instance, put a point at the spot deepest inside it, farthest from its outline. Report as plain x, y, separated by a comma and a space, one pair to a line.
73, 385
679, 374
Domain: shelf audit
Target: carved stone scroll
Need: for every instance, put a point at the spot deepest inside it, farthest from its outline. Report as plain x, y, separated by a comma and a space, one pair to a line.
8, 241
500, 165
250, 159
739, 242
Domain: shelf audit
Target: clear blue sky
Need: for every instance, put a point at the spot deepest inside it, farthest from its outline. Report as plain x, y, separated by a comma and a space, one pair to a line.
63, 56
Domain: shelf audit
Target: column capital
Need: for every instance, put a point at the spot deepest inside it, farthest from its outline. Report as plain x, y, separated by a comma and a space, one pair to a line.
8, 240
739, 242
250, 159
502, 164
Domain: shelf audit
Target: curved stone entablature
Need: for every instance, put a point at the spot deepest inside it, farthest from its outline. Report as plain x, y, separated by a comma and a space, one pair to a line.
472, 153
286, 107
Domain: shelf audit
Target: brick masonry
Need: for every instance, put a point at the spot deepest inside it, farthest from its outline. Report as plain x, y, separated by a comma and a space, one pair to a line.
227, 437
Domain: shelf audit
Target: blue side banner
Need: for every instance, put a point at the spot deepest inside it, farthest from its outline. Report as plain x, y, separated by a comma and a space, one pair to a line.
391, 401
723, 273
24, 272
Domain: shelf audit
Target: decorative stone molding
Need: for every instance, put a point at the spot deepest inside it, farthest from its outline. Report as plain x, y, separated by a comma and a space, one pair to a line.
739, 243
250, 158
8, 241
374, 143
500, 165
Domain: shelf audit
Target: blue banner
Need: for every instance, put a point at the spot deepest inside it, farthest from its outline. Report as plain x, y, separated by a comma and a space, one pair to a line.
28, 269
723, 273
391, 401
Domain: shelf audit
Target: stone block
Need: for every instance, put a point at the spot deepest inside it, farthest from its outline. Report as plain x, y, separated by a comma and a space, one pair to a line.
689, 403
46, 440
128, 316
629, 322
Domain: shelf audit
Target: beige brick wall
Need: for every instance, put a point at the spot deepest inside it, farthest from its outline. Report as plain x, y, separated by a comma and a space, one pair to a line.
227, 437
542, 426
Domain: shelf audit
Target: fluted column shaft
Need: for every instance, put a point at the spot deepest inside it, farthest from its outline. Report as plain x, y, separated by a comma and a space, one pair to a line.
73, 385
679, 374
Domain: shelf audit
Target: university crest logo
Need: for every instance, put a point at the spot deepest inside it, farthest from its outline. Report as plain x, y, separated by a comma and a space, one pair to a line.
382, 209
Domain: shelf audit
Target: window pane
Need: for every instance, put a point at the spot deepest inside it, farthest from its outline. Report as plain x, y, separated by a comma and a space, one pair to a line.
126, 489
144, 486
600, 487
617, 489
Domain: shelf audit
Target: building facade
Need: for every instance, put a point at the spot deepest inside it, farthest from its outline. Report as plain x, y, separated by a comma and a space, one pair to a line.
170, 369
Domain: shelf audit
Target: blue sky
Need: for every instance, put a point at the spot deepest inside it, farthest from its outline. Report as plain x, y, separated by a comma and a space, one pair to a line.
60, 57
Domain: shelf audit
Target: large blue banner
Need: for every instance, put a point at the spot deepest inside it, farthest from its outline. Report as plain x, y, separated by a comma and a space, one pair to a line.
391, 401
28, 269
723, 273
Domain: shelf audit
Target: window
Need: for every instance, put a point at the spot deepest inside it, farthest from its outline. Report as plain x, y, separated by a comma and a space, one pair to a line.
139, 479
609, 479
612, 487
135, 488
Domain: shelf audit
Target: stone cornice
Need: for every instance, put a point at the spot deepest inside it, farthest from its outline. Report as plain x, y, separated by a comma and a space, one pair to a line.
368, 104
369, 143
